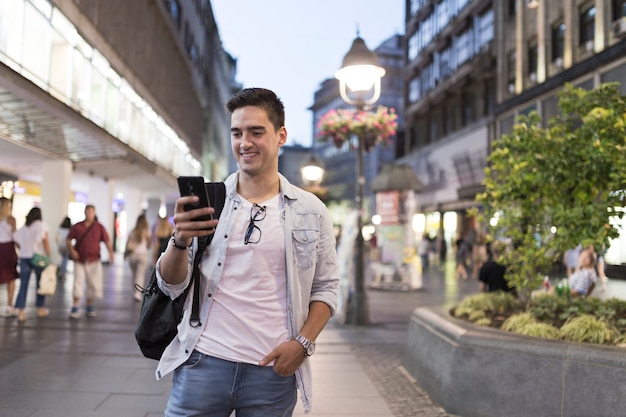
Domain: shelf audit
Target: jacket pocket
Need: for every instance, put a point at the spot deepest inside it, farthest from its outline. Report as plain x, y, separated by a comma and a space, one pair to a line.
304, 247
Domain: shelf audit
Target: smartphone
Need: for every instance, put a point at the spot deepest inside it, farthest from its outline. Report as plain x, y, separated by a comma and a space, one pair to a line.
195, 186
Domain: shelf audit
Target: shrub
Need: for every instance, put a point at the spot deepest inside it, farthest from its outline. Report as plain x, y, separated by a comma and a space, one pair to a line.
518, 321
587, 328
543, 330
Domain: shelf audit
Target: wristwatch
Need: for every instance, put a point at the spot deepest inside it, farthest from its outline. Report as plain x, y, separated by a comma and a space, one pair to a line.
308, 345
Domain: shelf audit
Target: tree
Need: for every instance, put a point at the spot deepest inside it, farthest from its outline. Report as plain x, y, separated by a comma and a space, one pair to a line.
549, 189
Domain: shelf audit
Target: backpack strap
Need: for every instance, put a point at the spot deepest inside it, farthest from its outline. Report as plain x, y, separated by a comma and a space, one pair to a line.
217, 197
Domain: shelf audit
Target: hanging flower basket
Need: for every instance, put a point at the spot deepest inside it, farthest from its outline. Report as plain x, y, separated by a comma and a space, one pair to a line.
372, 127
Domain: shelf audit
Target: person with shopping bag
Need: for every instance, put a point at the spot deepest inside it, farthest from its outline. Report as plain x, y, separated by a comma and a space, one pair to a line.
34, 253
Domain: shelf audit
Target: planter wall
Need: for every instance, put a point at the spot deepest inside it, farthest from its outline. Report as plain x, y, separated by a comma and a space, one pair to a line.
473, 371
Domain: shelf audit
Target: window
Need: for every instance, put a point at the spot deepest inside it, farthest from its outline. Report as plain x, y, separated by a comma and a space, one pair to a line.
558, 41
532, 60
413, 46
414, 90
174, 8
469, 108
511, 67
485, 27
512, 8
587, 25
619, 9
462, 46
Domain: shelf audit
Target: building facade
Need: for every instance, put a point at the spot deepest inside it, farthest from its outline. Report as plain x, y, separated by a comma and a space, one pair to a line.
107, 102
473, 66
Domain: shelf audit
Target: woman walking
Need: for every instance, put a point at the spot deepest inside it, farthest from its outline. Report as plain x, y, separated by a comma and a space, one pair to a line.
137, 253
8, 256
162, 236
64, 229
31, 239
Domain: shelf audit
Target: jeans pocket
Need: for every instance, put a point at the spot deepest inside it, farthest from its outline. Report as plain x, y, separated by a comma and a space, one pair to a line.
193, 359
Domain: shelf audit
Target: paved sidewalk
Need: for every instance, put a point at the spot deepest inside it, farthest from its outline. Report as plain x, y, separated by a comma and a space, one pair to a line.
91, 367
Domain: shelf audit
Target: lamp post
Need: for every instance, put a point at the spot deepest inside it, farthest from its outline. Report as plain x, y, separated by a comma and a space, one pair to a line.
312, 172
360, 73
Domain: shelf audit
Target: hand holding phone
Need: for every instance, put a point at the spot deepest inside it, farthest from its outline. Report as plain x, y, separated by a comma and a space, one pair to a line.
195, 186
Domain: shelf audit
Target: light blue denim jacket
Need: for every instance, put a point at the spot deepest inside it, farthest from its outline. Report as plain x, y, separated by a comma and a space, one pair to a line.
312, 273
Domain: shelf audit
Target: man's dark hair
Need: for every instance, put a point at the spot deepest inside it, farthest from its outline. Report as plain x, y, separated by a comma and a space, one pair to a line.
263, 98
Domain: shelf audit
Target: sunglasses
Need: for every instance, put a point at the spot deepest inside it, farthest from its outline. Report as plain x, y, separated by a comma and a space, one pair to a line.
257, 213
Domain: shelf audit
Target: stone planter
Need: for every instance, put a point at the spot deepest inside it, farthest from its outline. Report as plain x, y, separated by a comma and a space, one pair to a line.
473, 371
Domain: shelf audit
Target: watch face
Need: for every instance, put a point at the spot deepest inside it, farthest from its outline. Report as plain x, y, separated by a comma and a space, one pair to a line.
311, 349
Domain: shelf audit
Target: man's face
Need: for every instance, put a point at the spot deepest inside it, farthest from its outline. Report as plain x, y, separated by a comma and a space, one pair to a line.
90, 214
255, 142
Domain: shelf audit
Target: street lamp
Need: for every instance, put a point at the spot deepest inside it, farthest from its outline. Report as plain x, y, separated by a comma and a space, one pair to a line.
360, 73
312, 172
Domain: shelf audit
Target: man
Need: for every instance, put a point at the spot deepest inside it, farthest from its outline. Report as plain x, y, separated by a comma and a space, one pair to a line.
269, 281
491, 274
85, 251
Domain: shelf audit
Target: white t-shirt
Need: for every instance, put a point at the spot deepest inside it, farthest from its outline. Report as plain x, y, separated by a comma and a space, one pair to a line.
6, 234
247, 319
30, 239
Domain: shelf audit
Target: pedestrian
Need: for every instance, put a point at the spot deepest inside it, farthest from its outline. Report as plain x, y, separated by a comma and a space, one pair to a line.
61, 239
269, 280
162, 236
138, 254
423, 250
492, 274
601, 268
8, 256
479, 254
31, 239
571, 258
443, 248
462, 255
83, 242
584, 279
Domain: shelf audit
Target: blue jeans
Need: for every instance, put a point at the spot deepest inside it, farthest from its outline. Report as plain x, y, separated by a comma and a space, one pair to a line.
25, 270
63, 266
211, 387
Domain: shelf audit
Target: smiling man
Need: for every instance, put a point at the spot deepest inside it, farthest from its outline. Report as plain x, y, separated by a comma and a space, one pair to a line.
269, 281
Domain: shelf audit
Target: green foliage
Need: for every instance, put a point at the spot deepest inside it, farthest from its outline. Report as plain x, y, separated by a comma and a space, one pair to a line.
543, 330
549, 316
485, 302
485, 322
570, 175
517, 322
476, 315
587, 328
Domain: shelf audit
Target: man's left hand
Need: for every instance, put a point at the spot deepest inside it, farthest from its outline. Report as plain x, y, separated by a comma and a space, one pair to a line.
287, 358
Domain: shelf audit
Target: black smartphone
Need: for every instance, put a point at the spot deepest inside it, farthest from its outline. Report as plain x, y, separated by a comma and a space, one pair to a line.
195, 186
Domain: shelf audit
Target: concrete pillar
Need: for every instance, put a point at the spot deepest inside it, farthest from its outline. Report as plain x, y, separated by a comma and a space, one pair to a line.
542, 47
55, 198
520, 46
133, 206
603, 24
571, 27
